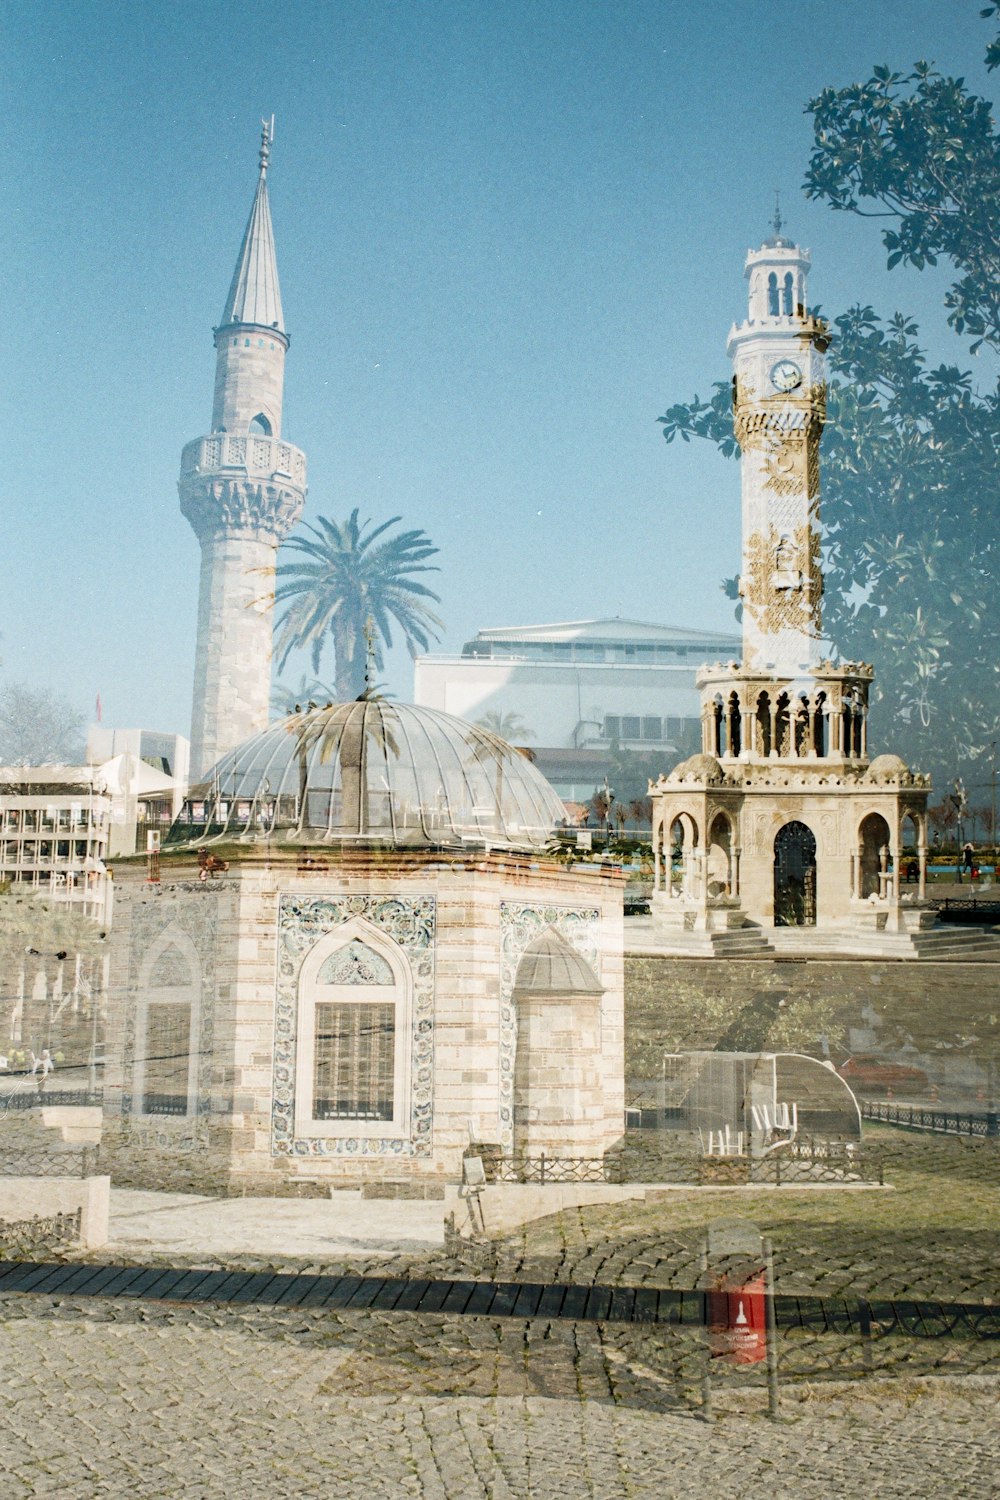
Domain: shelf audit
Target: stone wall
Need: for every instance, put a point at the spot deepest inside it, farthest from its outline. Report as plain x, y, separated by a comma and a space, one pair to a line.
942, 1018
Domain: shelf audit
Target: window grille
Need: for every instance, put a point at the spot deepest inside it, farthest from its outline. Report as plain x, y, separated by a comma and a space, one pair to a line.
354, 1061
168, 1055
652, 729
631, 727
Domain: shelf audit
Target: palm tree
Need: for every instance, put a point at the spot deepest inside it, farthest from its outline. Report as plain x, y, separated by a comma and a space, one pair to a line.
344, 576
509, 727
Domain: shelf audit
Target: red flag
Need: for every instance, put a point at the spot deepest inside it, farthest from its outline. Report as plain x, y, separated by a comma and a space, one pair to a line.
98, 708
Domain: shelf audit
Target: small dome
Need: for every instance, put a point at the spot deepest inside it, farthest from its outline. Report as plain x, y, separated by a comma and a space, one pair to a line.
550, 966
885, 766
372, 772
697, 768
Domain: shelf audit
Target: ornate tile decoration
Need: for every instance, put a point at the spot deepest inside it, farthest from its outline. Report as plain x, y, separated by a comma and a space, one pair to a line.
302, 921
198, 920
519, 926
355, 964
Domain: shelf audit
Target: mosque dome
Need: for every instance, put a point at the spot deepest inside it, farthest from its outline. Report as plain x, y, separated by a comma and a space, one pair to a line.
697, 768
373, 772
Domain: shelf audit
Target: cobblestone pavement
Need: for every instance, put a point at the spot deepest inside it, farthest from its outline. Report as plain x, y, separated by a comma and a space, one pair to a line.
147, 1401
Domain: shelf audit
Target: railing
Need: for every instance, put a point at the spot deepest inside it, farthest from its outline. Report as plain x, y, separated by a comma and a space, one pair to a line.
543, 1168
164, 1104
939, 1121
39, 1161
34, 1098
971, 909
257, 455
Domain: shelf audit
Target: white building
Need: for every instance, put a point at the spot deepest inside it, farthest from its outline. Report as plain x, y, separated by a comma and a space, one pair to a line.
148, 780
61, 825
579, 688
55, 824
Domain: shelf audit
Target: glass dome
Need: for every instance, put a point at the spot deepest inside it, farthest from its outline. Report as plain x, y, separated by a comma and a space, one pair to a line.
372, 772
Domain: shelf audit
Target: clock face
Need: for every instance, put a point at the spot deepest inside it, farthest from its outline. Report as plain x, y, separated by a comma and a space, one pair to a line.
785, 375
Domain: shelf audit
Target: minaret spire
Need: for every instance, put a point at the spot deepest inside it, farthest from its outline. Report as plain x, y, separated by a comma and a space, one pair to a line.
254, 295
242, 488
777, 221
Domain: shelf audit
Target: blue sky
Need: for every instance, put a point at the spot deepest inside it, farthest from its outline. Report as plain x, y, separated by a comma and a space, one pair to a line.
509, 236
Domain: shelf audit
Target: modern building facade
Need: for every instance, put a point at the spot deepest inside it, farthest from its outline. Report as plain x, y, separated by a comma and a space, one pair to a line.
62, 826
578, 689
242, 487
55, 830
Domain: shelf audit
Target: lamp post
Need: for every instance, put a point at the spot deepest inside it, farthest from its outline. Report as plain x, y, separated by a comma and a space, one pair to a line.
609, 797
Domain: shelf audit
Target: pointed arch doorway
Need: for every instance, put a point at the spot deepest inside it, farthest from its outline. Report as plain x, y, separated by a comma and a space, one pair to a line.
795, 876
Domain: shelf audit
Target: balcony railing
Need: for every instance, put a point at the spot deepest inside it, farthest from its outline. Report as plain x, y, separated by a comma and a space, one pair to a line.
250, 454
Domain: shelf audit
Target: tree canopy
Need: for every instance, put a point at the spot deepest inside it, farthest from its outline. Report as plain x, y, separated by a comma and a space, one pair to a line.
920, 150
910, 452
345, 574
37, 727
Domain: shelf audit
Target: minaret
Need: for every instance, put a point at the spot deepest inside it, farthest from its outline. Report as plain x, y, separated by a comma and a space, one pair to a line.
779, 405
242, 488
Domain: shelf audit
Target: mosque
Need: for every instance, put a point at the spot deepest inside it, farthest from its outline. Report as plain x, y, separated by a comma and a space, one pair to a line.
357, 956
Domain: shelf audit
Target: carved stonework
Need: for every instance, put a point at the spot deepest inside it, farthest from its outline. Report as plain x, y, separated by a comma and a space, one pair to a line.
781, 597
302, 921
218, 507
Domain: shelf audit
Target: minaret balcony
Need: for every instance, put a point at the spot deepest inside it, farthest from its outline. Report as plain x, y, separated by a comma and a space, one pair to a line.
258, 457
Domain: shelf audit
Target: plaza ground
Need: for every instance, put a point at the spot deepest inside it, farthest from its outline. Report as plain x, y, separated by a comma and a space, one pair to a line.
146, 1399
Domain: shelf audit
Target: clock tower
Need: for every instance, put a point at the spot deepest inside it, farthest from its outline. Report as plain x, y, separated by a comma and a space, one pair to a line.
783, 820
779, 406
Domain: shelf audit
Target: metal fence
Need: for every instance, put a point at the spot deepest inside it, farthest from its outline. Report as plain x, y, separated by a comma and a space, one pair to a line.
33, 1160
544, 1168
937, 1121
34, 1098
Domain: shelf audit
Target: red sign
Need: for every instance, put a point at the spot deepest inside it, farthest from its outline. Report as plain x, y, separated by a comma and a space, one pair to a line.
736, 1321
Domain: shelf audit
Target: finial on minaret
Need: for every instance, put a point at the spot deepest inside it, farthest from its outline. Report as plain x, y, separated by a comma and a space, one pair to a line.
266, 138
777, 221
369, 656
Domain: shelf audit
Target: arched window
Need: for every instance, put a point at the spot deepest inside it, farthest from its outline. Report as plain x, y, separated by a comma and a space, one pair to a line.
169, 1003
772, 296
260, 426
355, 1005
787, 297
